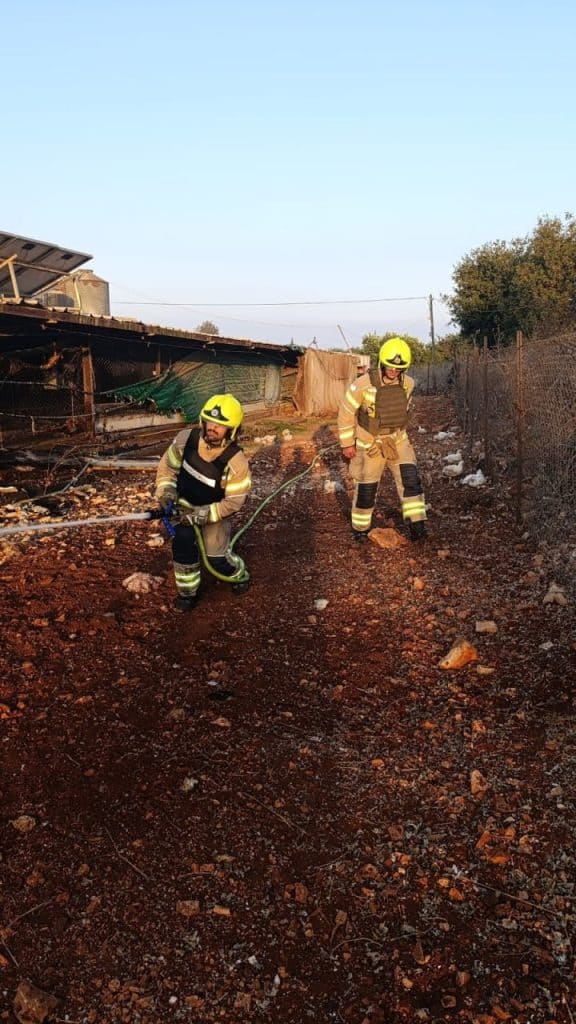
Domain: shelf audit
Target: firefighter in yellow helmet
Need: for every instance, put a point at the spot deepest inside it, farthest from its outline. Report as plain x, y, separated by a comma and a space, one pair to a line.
372, 430
206, 475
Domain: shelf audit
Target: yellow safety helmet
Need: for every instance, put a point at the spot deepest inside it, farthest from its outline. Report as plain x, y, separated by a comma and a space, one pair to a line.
395, 353
224, 410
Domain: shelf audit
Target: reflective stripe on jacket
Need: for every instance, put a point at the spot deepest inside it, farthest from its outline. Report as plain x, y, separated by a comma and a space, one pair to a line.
235, 480
199, 481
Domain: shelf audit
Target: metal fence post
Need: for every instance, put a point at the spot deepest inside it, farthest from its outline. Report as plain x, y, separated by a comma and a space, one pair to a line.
519, 431
467, 394
486, 430
473, 395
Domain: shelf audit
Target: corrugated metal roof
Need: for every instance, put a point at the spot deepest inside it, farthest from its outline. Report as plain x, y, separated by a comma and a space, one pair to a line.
36, 265
71, 322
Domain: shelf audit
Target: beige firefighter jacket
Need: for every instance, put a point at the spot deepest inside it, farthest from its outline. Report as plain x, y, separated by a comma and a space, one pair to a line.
236, 480
361, 393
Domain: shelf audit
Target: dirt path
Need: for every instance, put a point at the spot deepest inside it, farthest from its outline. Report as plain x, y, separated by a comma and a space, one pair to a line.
264, 811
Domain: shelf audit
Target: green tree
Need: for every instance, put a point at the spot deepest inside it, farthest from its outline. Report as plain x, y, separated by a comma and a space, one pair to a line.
528, 284
549, 273
449, 345
207, 327
488, 299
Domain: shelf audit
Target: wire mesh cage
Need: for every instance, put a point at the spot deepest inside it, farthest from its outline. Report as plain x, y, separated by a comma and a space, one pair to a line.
40, 391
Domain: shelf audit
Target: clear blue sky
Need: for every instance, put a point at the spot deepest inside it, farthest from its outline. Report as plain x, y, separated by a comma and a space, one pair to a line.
258, 152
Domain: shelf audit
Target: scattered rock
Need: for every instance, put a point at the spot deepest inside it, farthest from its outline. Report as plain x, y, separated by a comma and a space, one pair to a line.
478, 784
32, 1005
386, 537
189, 784
155, 541
486, 626
141, 582
7, 551
24, 823
460, 654
485, 670
555, 595
300, 893
176, 715
188, 908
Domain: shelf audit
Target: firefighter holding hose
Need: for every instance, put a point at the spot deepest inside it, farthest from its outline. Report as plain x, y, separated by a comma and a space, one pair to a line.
205, 477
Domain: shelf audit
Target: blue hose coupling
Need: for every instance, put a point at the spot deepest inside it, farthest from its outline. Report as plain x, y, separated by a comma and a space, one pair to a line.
166, 517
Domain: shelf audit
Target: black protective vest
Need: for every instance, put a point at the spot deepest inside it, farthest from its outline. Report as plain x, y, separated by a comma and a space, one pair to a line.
390, 409
200, 482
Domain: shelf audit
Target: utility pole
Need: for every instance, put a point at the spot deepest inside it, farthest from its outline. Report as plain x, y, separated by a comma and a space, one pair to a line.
431, 314
432, 339
344, 336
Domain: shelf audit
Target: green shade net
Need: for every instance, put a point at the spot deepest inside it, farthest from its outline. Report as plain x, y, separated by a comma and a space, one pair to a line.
187, 385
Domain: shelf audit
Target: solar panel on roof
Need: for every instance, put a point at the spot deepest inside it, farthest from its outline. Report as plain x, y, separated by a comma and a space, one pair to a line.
35, 264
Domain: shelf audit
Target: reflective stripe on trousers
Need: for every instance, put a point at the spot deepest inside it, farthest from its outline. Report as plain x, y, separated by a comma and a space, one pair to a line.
366, 470
187, 578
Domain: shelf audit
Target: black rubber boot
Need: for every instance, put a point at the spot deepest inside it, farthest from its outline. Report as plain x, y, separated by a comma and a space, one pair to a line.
360, 535
241, 588
186, 604
417, 530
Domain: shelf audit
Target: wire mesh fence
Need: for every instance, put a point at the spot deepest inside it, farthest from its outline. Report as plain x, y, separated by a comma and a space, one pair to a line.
46, 394
112, 370
39, 394
432, 378
517, 406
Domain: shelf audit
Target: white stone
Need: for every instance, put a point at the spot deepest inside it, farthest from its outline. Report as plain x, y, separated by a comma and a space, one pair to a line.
141, 582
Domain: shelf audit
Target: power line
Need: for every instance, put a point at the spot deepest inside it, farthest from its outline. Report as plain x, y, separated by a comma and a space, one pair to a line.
198, 307
238, 305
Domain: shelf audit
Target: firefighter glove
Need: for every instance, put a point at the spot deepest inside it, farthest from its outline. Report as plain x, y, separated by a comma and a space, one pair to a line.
167, 497
199, 516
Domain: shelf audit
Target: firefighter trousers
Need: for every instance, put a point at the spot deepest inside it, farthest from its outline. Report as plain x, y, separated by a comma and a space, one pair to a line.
186, 556
366, 469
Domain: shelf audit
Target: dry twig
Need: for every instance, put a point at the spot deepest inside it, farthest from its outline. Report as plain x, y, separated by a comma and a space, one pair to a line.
125, 859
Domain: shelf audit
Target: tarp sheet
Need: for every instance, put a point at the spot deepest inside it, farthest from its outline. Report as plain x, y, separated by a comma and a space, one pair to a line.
187, 385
